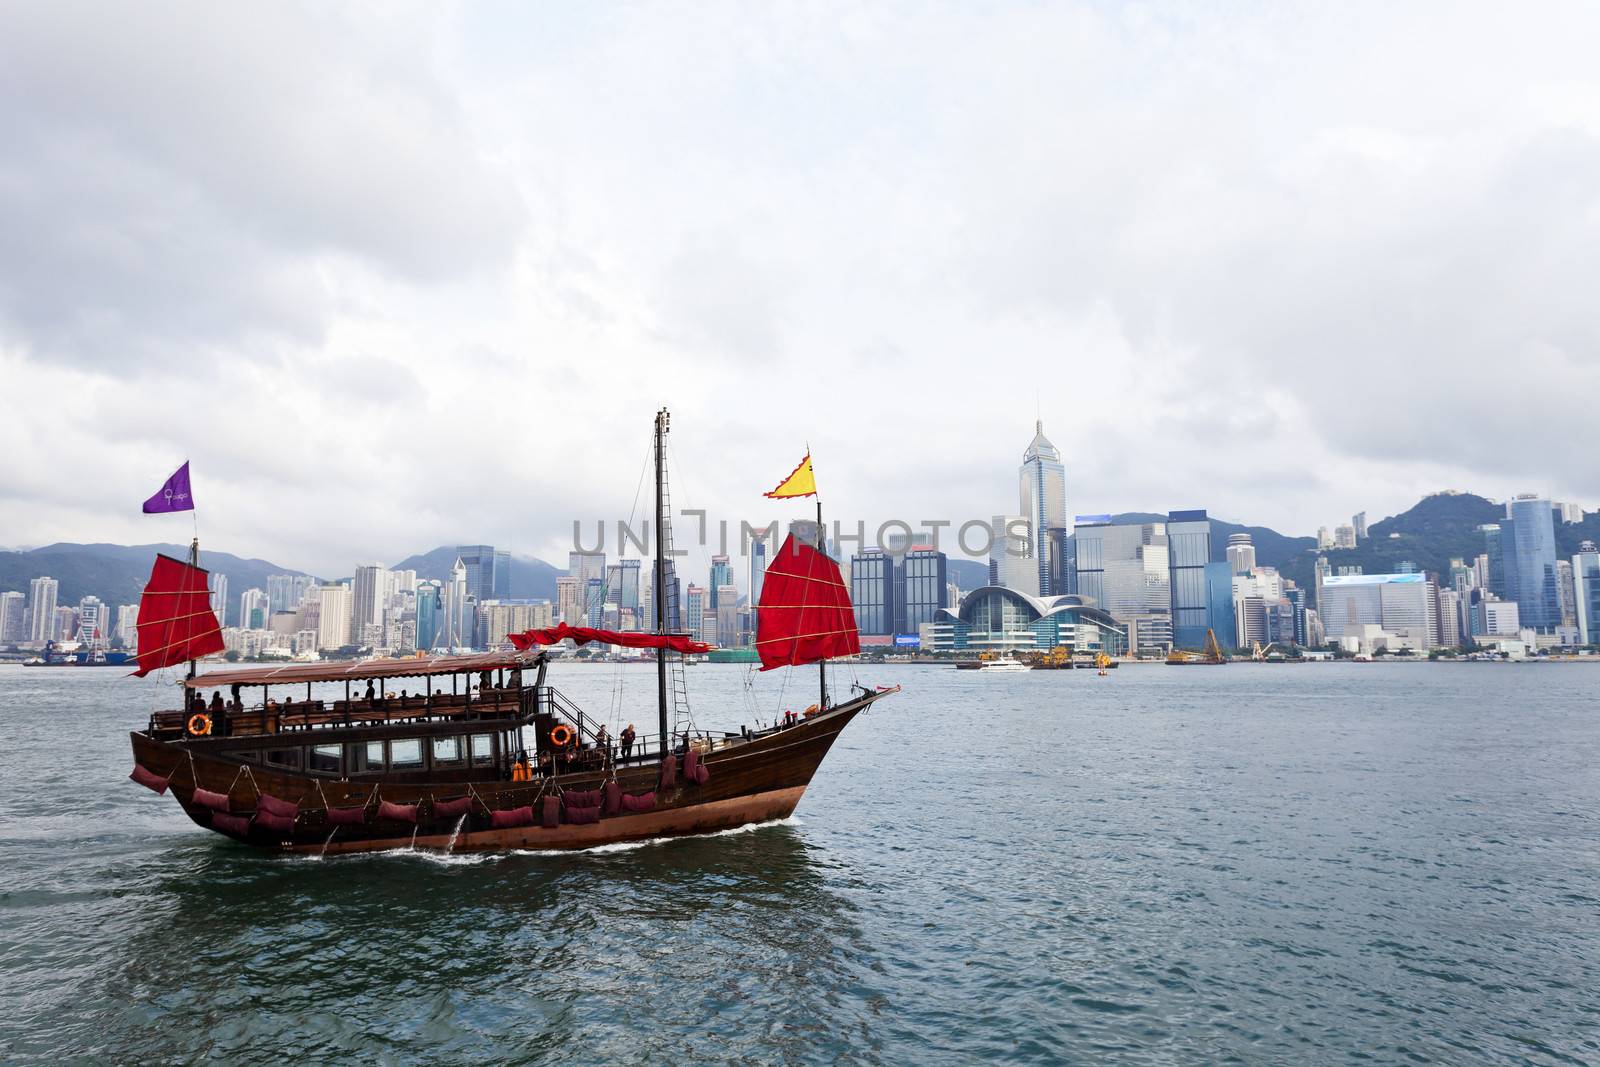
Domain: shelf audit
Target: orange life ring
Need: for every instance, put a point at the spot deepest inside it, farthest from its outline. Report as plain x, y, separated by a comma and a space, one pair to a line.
561, 735
199, 725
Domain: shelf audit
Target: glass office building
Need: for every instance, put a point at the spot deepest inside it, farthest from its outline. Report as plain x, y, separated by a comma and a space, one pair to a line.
1042, 495
872, 591
1188, 553
1532, 562
924, 572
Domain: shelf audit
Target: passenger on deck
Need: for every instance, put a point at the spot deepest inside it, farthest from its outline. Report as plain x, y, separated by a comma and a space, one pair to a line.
371, 694
602, 741
216, 702
197, 703
627, 741
521, 770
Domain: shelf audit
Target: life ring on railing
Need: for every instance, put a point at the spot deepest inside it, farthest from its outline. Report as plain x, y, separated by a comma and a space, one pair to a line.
561, 735
199, 725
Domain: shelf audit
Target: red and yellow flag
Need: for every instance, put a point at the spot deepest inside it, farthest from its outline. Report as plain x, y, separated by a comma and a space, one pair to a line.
801, 482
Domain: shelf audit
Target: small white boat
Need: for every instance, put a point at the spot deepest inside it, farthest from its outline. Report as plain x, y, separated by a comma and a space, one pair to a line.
1005, 663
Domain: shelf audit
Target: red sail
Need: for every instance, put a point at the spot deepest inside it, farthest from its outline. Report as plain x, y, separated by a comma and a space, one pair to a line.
176, 622
805, 613
583, 635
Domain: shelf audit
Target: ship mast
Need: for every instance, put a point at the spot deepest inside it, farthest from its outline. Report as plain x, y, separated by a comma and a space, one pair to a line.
660, 597
194, 561
822, 664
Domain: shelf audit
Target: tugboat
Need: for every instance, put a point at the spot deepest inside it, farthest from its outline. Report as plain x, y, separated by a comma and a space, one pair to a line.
480, 752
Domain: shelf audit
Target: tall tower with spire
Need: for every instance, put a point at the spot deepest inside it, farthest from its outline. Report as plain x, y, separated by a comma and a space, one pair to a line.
1042, 484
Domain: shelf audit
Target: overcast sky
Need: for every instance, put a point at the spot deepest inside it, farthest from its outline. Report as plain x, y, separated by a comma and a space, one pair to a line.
397, 276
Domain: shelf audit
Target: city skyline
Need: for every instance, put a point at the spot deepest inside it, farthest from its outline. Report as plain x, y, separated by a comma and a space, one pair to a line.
1254, 292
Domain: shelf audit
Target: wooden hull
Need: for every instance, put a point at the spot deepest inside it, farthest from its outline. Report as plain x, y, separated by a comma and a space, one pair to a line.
750, 781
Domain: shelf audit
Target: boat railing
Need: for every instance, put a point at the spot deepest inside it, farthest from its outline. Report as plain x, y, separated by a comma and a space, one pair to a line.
290, 716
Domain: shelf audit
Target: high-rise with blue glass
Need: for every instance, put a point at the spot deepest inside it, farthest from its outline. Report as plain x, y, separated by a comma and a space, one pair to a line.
1188, 552
1530, 562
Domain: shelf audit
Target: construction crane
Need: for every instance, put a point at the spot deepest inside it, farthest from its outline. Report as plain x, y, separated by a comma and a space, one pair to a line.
1210, 655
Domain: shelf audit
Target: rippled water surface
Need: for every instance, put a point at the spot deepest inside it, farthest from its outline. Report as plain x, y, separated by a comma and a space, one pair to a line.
1263, 864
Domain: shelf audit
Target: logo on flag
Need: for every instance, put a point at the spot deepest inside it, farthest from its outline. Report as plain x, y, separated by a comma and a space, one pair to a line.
173, 495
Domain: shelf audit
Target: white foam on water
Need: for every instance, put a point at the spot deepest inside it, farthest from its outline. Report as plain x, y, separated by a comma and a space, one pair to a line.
629, 846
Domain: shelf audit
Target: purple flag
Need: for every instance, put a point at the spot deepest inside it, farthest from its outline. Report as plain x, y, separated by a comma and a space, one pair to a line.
173, 496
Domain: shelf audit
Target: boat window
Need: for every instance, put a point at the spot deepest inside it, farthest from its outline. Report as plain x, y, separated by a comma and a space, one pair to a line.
375, 755
283, 757
447, 750
326, 757
407, 753
482, 749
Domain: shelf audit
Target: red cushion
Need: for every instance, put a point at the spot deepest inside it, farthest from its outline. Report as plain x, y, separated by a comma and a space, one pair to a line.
397, 812
148, 779
207, 799
552, 813
281, 823
510, 817
281, 808
348, 816
669, 772
638, 802
582, 798
613, 802
578, 816
451, 809
230, 824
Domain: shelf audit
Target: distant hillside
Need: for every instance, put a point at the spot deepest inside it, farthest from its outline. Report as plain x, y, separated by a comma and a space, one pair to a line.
1435, 530
116, 573
530, 578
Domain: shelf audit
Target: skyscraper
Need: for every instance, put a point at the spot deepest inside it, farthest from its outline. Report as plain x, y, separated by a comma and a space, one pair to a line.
1533, 562
1586, 583
42, 609
924, 572
254, 610
872, 591
333, 616
622, 587
460, 608
721, 575
1011, 555
758, 569
94, 623
728, 616
569, 601
1188, 552
502, 576
1042, 499
219, 596
1241, 553
696, 605
367, 597
13, 611
483, 576
429, 606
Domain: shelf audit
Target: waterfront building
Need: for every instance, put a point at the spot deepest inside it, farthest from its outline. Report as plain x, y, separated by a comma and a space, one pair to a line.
924, 574
695, 606
127, 631
872, 591
1324, 538
1123, 569
1219, 603
1396, 603
1498, 618
1150, 636
998, 619
498, 618
1251, 622
1241, 553
459, 614
1188, 553
1358, 523
1566, 594
488, 572
333, 615
1042, 499
64, 624
13, 617
1449, 615
1344, 537
594, 602
1011, 562
1586, 593
219, 595
42, 610
1533, 562
622, 588
94, 623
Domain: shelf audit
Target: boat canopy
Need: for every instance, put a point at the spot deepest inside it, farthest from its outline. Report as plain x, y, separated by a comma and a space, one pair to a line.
360, 670
805, 613
582, 635
176, 622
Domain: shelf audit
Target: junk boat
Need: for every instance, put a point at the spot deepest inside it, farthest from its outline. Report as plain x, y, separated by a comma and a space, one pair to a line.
473, 753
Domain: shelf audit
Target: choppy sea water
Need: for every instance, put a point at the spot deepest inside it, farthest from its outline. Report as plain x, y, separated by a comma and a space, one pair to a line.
1258, 864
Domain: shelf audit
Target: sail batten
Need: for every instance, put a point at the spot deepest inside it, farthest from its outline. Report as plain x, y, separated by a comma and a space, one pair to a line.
176, 622
805, 614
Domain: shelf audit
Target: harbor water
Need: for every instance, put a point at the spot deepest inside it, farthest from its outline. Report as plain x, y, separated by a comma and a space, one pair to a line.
1326, 863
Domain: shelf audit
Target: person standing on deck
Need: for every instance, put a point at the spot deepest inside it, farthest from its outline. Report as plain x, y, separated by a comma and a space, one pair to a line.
627, 742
